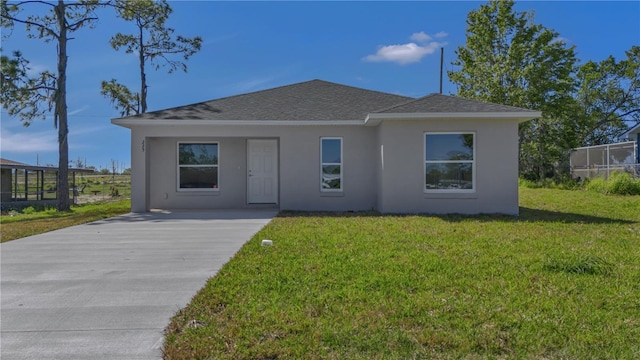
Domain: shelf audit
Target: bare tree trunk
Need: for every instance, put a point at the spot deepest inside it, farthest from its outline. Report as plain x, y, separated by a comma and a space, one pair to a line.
61, 111
143, 77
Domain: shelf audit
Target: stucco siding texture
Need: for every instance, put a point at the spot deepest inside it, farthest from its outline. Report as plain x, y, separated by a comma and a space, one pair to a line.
298, 163
383, 167
401, 188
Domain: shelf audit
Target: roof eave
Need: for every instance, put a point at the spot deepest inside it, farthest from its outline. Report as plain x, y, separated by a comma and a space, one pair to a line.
371, 120
375, 119
634, 130
129, 123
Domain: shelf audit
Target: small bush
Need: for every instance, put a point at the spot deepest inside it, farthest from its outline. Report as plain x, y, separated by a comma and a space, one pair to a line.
29, 210
619, 183
623, 184
598, 185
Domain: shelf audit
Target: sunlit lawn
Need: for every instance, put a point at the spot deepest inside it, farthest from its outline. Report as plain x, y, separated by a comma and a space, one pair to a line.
561, 281
16, 225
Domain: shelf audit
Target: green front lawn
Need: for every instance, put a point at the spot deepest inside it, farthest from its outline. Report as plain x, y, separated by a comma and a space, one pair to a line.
562, 281
15, 225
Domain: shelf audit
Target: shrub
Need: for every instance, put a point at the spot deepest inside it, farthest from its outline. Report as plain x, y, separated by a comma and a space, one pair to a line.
598, 185
619, 183
623, 184
29, 210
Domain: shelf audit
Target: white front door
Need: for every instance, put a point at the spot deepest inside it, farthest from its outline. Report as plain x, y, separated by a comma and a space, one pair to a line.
262, 181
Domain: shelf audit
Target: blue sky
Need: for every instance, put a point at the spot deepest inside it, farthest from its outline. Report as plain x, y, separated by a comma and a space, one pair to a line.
249, 46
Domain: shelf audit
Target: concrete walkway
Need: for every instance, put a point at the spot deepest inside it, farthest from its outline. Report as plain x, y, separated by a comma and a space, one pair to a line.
107, 290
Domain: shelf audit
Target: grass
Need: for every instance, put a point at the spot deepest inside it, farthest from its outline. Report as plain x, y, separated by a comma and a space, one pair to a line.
561, 281
106, 184
618, 183
21, 225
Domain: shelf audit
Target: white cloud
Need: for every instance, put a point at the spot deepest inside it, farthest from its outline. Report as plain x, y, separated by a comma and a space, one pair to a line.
440, 35
420, 37
28, 142
408, 53
402, 54
78, 111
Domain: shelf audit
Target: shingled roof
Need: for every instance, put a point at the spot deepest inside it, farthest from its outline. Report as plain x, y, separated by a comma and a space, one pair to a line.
310, 100
438, 103
319, 100
11, 162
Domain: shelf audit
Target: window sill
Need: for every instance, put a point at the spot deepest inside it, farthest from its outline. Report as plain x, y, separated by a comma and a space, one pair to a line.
198, 193
451, 195
331, 193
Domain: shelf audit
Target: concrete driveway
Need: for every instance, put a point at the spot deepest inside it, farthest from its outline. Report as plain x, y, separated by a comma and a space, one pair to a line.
106, 290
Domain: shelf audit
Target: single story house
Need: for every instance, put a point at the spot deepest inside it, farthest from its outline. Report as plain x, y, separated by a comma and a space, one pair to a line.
322, 146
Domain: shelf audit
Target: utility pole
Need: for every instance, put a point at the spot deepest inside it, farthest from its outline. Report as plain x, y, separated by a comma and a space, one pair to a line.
441, 64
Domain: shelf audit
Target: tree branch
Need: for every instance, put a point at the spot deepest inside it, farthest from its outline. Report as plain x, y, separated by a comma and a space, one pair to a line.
40, 26
629, 112
34, 2
75, 26
47, 88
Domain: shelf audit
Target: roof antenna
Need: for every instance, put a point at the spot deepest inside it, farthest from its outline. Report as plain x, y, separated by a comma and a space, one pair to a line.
441, 62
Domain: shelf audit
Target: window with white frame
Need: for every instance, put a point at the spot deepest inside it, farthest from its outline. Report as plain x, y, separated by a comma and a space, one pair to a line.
330, 164
449, 164
198, 166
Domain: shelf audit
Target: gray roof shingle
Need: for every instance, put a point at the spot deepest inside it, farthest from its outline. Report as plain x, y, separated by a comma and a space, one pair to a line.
319, 100
310, 100
438, 103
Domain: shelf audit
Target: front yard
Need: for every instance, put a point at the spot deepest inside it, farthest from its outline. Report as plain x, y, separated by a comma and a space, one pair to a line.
561, 281
16, 225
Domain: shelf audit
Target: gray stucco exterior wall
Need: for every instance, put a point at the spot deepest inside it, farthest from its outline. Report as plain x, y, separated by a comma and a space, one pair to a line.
154, 179
383, 167
401, 183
